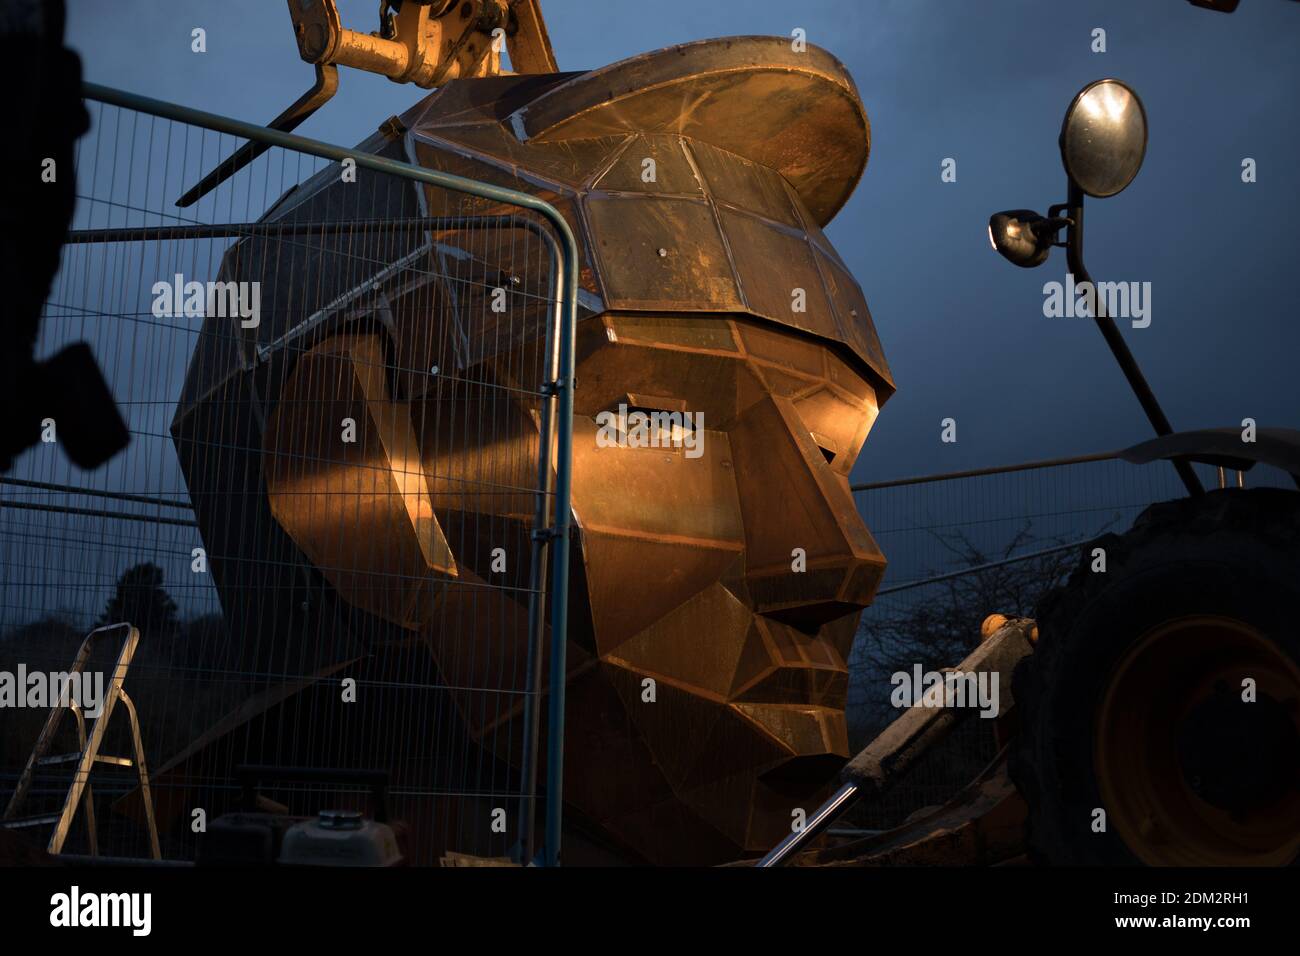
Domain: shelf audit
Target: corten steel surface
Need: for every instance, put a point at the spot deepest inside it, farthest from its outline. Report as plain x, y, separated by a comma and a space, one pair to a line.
683, 565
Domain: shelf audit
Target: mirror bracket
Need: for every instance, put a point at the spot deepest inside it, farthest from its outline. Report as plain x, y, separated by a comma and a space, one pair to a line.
1055, 215
1118, 347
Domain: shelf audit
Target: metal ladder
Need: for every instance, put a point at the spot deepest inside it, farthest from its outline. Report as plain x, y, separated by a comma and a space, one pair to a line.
88, 756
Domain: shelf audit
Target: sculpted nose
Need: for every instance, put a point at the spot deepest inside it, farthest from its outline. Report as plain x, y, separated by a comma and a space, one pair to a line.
809, 557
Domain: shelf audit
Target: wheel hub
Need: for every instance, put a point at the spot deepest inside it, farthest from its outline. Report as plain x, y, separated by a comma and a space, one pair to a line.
1197, 746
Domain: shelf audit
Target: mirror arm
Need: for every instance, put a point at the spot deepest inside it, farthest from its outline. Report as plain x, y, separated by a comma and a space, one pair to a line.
1050, 228
1118, 347
1054, 216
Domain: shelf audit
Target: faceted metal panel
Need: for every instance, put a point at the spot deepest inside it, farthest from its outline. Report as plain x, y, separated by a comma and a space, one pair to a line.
496, 168
322, 490
738, 182
792, 294
796, 112
485, 100
656, 329
652, 164
856, 327
567, 163
661, 254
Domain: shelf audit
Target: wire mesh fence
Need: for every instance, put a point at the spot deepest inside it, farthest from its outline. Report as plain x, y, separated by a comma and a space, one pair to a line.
963, 548
328, 526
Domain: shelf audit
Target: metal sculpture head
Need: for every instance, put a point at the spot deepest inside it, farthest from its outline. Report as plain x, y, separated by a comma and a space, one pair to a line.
728, 375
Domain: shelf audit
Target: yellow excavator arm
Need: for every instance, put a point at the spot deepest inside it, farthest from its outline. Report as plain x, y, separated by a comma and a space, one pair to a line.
427, 42
424, 42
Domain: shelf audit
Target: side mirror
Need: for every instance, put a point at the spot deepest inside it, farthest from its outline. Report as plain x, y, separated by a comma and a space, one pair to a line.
1104, 138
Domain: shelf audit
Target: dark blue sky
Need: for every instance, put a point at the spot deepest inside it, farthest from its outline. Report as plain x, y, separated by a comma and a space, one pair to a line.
985, 83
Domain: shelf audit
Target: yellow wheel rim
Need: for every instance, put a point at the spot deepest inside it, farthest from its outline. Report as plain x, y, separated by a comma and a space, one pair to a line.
1189, 773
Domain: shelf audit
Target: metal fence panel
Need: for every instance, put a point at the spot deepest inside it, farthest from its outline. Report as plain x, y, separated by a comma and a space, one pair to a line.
331, 524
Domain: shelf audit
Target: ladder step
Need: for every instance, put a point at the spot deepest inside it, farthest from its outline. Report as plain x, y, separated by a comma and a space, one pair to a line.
75, 757
58, 759
62, 820
42, 821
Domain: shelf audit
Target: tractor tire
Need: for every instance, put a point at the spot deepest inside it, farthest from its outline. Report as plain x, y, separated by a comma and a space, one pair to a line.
1136, 700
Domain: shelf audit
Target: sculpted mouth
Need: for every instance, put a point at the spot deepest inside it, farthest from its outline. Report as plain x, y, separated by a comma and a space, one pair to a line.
804, 730
799, 669
810, 615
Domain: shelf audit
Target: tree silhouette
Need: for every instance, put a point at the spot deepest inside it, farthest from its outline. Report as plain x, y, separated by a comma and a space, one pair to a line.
141, 600
938, 626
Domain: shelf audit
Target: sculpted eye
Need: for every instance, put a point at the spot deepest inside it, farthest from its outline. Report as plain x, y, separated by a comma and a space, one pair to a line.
668, 426
643, 421
828, 447
838, 423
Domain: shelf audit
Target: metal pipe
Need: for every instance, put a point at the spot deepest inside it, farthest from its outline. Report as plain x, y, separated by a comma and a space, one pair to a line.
94, 513
537, 586
322, 91
371, 161
974, 569
365, 51
1118, 347
822, 818
560, 572
278, 230
995, 470
95, 493
567, 304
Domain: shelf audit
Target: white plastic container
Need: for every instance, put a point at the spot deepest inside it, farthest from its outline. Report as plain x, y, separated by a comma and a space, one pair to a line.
340, 838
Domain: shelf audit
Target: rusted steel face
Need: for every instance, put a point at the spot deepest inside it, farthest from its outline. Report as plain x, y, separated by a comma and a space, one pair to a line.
715, 594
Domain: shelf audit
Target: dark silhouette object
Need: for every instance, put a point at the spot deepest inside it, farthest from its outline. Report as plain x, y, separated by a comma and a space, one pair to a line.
141, 600
42, 84
1164, 691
